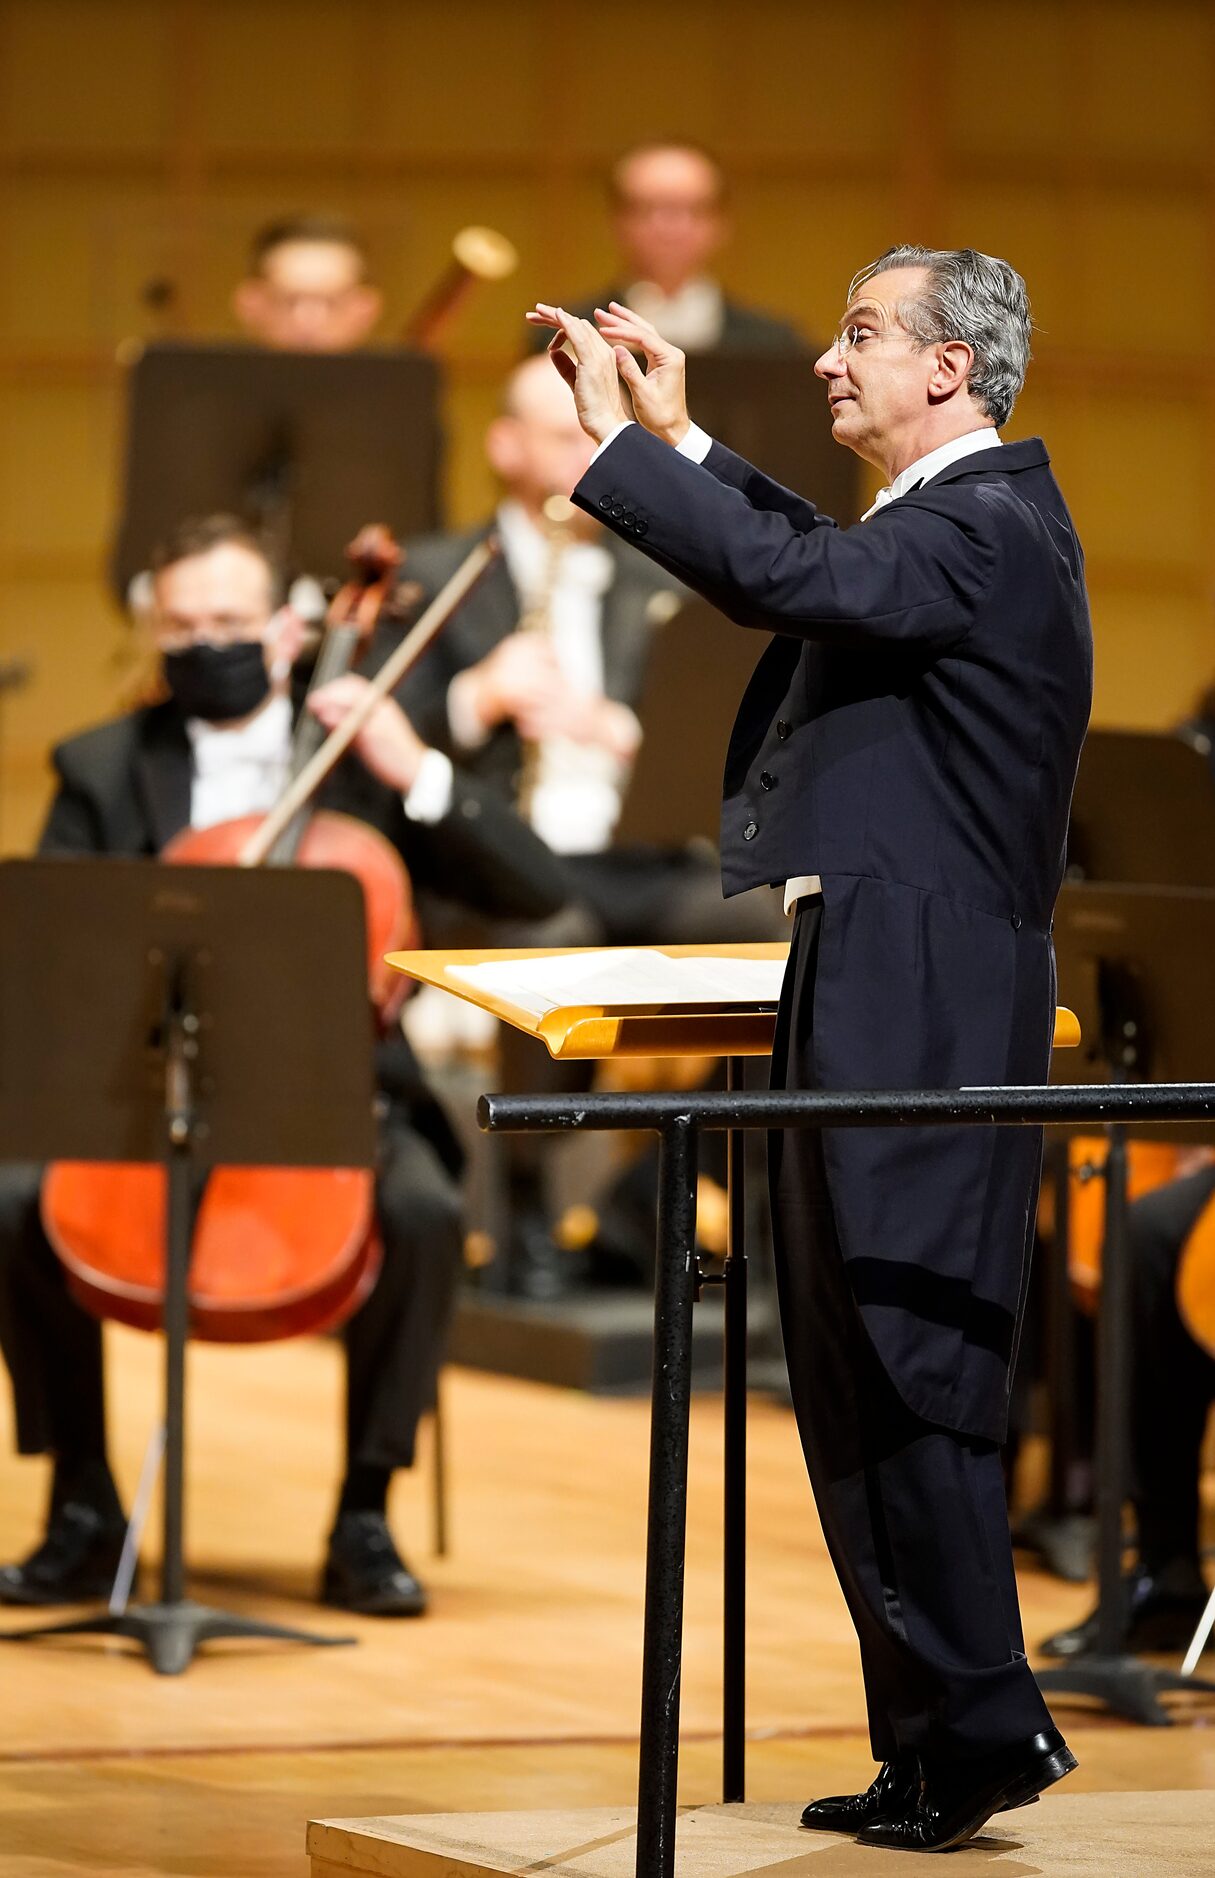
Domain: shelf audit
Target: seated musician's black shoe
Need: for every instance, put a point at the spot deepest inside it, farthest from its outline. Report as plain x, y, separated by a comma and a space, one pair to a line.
1161, 1614
958, 1798
895, 1790
75, 1563
365, 1572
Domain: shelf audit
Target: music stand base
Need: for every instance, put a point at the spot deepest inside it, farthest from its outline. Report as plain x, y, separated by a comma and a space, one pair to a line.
171, 1633
1125, 1684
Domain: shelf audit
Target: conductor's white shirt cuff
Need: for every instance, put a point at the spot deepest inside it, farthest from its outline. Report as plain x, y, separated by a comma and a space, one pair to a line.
695, 443
429, 799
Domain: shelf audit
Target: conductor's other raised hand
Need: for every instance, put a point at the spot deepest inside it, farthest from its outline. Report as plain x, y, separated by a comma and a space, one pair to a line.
590, 372
659, 393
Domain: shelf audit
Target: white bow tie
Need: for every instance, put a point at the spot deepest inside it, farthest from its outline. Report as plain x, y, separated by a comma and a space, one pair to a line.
892, 494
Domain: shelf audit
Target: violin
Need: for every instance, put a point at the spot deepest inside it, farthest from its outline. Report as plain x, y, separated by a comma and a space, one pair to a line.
276, 1251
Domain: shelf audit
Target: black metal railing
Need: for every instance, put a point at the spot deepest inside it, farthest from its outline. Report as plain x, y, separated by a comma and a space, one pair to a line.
678, 1121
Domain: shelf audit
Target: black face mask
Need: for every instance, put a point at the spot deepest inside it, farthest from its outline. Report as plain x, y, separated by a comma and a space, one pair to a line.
219, 683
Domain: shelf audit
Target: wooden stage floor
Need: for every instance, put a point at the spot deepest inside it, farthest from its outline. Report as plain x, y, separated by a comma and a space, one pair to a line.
519, 1690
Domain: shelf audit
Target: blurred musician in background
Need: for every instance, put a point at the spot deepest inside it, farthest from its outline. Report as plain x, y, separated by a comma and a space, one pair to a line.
306, 287
532, 689
670, 219
533, 686
218, 746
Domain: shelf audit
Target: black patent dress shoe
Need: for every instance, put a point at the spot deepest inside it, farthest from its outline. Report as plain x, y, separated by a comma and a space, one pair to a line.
896, 1788
365, 1572
75, 1563
1158, 1616
957, 1799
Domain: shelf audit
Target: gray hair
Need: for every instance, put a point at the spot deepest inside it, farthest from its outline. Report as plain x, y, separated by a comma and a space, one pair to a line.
973, 297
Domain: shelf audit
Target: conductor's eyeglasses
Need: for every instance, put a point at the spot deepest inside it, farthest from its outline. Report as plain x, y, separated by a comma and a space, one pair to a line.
849, 337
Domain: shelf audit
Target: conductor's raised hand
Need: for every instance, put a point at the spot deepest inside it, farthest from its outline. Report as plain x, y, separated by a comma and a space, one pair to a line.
659, 393
588, 365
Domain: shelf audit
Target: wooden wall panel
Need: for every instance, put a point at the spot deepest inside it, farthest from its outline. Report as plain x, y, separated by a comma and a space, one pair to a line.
146, 138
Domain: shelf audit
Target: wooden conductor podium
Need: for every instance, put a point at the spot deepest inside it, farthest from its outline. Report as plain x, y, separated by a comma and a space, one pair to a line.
588, 1003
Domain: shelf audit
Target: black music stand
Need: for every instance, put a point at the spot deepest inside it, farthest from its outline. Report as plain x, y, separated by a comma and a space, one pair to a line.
152, 1013
1135, 966
307, 446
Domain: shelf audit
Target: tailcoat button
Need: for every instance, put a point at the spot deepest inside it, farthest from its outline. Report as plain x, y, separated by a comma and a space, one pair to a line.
641, 528
783, 729
605, 502
750, 831
1016, 922
766, 780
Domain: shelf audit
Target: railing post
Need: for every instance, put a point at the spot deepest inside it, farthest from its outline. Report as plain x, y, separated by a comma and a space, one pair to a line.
674, 1290
734, 1415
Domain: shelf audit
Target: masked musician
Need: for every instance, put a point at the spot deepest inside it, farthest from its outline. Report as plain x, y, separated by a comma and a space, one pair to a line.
218, 747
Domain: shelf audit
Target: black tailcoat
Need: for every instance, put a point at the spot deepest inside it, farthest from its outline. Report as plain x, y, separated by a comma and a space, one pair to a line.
911, 735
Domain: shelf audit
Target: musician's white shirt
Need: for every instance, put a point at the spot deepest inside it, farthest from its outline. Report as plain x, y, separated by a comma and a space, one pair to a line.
239, 769
242, 769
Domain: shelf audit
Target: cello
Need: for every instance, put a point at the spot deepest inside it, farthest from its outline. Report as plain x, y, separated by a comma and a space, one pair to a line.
276, 1251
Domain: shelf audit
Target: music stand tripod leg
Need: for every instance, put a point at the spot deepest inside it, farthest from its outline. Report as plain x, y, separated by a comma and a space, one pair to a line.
666, 1534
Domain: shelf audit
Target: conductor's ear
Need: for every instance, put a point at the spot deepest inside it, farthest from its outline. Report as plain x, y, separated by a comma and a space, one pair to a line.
954, 361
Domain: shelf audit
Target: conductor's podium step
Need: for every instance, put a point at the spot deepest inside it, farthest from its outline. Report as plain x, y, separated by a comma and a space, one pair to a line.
1083, 1835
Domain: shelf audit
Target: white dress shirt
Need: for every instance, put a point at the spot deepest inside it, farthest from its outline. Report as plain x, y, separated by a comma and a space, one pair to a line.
697, 443
693, 318
242, 769
574, 802
239, 769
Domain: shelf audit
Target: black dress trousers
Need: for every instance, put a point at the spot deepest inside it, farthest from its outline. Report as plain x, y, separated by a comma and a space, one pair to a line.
914, 1515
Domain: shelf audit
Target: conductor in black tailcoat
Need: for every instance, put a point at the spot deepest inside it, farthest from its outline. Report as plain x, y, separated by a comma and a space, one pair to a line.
903, 760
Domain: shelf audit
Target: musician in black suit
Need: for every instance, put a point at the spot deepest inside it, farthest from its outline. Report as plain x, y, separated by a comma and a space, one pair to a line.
670, 217
903, 760
218, 746
533, 687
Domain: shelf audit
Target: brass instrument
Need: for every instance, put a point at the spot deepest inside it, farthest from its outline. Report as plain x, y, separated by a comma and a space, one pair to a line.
476, 254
